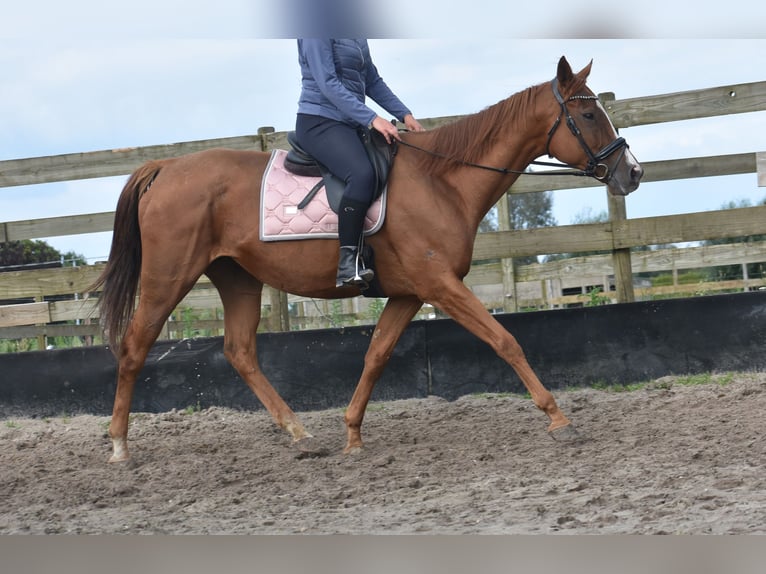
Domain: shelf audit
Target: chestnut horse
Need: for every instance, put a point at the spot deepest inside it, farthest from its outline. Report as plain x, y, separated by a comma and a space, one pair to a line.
179, 218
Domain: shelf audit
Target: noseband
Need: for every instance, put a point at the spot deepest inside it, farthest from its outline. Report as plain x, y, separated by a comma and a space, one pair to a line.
595, 168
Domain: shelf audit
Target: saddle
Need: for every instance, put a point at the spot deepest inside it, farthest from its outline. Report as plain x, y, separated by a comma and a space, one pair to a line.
300, 162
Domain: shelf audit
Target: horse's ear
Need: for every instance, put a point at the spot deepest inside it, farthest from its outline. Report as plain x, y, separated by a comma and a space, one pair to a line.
564, 72
585, 72
567, 78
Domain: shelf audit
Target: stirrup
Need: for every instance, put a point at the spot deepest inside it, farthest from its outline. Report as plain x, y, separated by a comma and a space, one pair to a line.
351, 269
360, 279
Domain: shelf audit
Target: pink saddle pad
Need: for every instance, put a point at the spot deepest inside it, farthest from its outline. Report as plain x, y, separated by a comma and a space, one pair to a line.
282, 191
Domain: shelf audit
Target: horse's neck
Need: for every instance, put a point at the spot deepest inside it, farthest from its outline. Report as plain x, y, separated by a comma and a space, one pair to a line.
520, 137
480, 189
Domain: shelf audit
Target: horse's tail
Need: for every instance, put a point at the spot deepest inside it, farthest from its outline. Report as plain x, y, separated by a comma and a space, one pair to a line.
119, 278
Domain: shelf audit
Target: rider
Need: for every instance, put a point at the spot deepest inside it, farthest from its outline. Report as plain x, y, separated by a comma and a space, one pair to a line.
336, 75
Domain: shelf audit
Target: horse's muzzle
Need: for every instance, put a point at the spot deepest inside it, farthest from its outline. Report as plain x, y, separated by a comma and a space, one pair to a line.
626, 177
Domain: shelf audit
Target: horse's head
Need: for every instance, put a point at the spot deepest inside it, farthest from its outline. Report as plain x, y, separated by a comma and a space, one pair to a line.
583, 136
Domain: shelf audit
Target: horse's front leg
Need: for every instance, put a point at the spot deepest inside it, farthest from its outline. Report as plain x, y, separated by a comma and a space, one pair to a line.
396, 315
455, 299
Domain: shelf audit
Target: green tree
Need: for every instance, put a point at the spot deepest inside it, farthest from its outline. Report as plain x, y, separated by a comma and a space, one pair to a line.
36, 252
531, 210
525, 211
27, 251
72, 259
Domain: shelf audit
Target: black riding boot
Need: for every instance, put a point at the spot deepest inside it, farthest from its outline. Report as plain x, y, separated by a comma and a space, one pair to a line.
351, 269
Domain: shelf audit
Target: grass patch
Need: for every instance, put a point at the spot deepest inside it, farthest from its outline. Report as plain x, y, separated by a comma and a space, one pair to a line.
12, 424
191, 409
618, 387
375, 408
721, 379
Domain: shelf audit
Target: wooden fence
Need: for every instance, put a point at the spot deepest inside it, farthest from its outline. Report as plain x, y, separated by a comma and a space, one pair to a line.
531, 286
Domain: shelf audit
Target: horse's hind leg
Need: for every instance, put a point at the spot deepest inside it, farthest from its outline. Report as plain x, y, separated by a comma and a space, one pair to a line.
155, 304
241, 297
395, 317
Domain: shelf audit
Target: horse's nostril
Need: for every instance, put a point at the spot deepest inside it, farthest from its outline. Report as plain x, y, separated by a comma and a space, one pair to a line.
636, 173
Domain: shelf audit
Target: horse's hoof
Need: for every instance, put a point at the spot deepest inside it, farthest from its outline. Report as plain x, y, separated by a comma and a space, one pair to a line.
352, 450
119, 450
309, 447
567, 435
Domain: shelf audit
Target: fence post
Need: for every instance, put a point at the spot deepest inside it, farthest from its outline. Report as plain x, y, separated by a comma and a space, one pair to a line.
623, 271
278, 318
41, 338
510, 301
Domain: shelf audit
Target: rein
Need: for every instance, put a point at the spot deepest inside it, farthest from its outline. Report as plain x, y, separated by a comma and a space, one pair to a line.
595, 167
503, 170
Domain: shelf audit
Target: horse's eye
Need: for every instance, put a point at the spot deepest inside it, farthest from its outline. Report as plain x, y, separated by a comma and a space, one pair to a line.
588, 116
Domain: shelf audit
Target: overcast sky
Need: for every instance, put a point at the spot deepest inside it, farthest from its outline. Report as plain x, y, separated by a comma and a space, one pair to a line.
102, 82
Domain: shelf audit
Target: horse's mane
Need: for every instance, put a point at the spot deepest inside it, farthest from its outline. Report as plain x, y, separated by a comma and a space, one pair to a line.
469, 138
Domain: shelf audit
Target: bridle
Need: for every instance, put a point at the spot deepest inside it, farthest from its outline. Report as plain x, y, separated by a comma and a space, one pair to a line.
595, 167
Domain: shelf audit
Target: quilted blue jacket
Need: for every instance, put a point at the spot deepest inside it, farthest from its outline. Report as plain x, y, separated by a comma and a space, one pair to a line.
336, 75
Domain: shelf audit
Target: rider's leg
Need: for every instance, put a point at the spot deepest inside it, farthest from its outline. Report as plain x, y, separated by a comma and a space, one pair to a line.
338, 147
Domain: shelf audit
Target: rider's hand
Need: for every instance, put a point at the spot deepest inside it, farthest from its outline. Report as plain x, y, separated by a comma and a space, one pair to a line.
385, 127
412, 124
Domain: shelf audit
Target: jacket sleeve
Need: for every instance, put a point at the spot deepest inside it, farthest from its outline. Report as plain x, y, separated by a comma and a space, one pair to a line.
380, 93
319, 58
